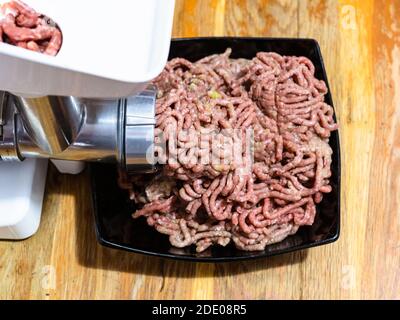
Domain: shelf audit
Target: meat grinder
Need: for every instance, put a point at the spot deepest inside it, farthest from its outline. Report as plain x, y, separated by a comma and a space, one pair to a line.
91, 102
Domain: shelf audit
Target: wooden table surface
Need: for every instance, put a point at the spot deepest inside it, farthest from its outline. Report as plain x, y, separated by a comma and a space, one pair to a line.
360, 42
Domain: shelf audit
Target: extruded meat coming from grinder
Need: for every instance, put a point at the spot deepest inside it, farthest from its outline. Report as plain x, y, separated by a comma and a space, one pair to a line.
274, 189
23, 27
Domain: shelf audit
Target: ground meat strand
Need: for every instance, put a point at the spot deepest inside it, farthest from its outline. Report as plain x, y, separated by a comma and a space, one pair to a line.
251, 202
25, 28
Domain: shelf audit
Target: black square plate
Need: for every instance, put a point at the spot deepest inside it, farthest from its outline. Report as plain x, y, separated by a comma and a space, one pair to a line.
114, 225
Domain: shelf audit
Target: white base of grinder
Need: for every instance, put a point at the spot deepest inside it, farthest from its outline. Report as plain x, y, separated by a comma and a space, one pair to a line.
22, 188
21, 197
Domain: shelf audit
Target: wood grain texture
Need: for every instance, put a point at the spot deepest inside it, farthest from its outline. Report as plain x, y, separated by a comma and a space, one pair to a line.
360, 42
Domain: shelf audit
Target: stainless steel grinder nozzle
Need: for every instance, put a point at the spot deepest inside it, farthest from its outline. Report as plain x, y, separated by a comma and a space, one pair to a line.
80, 129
